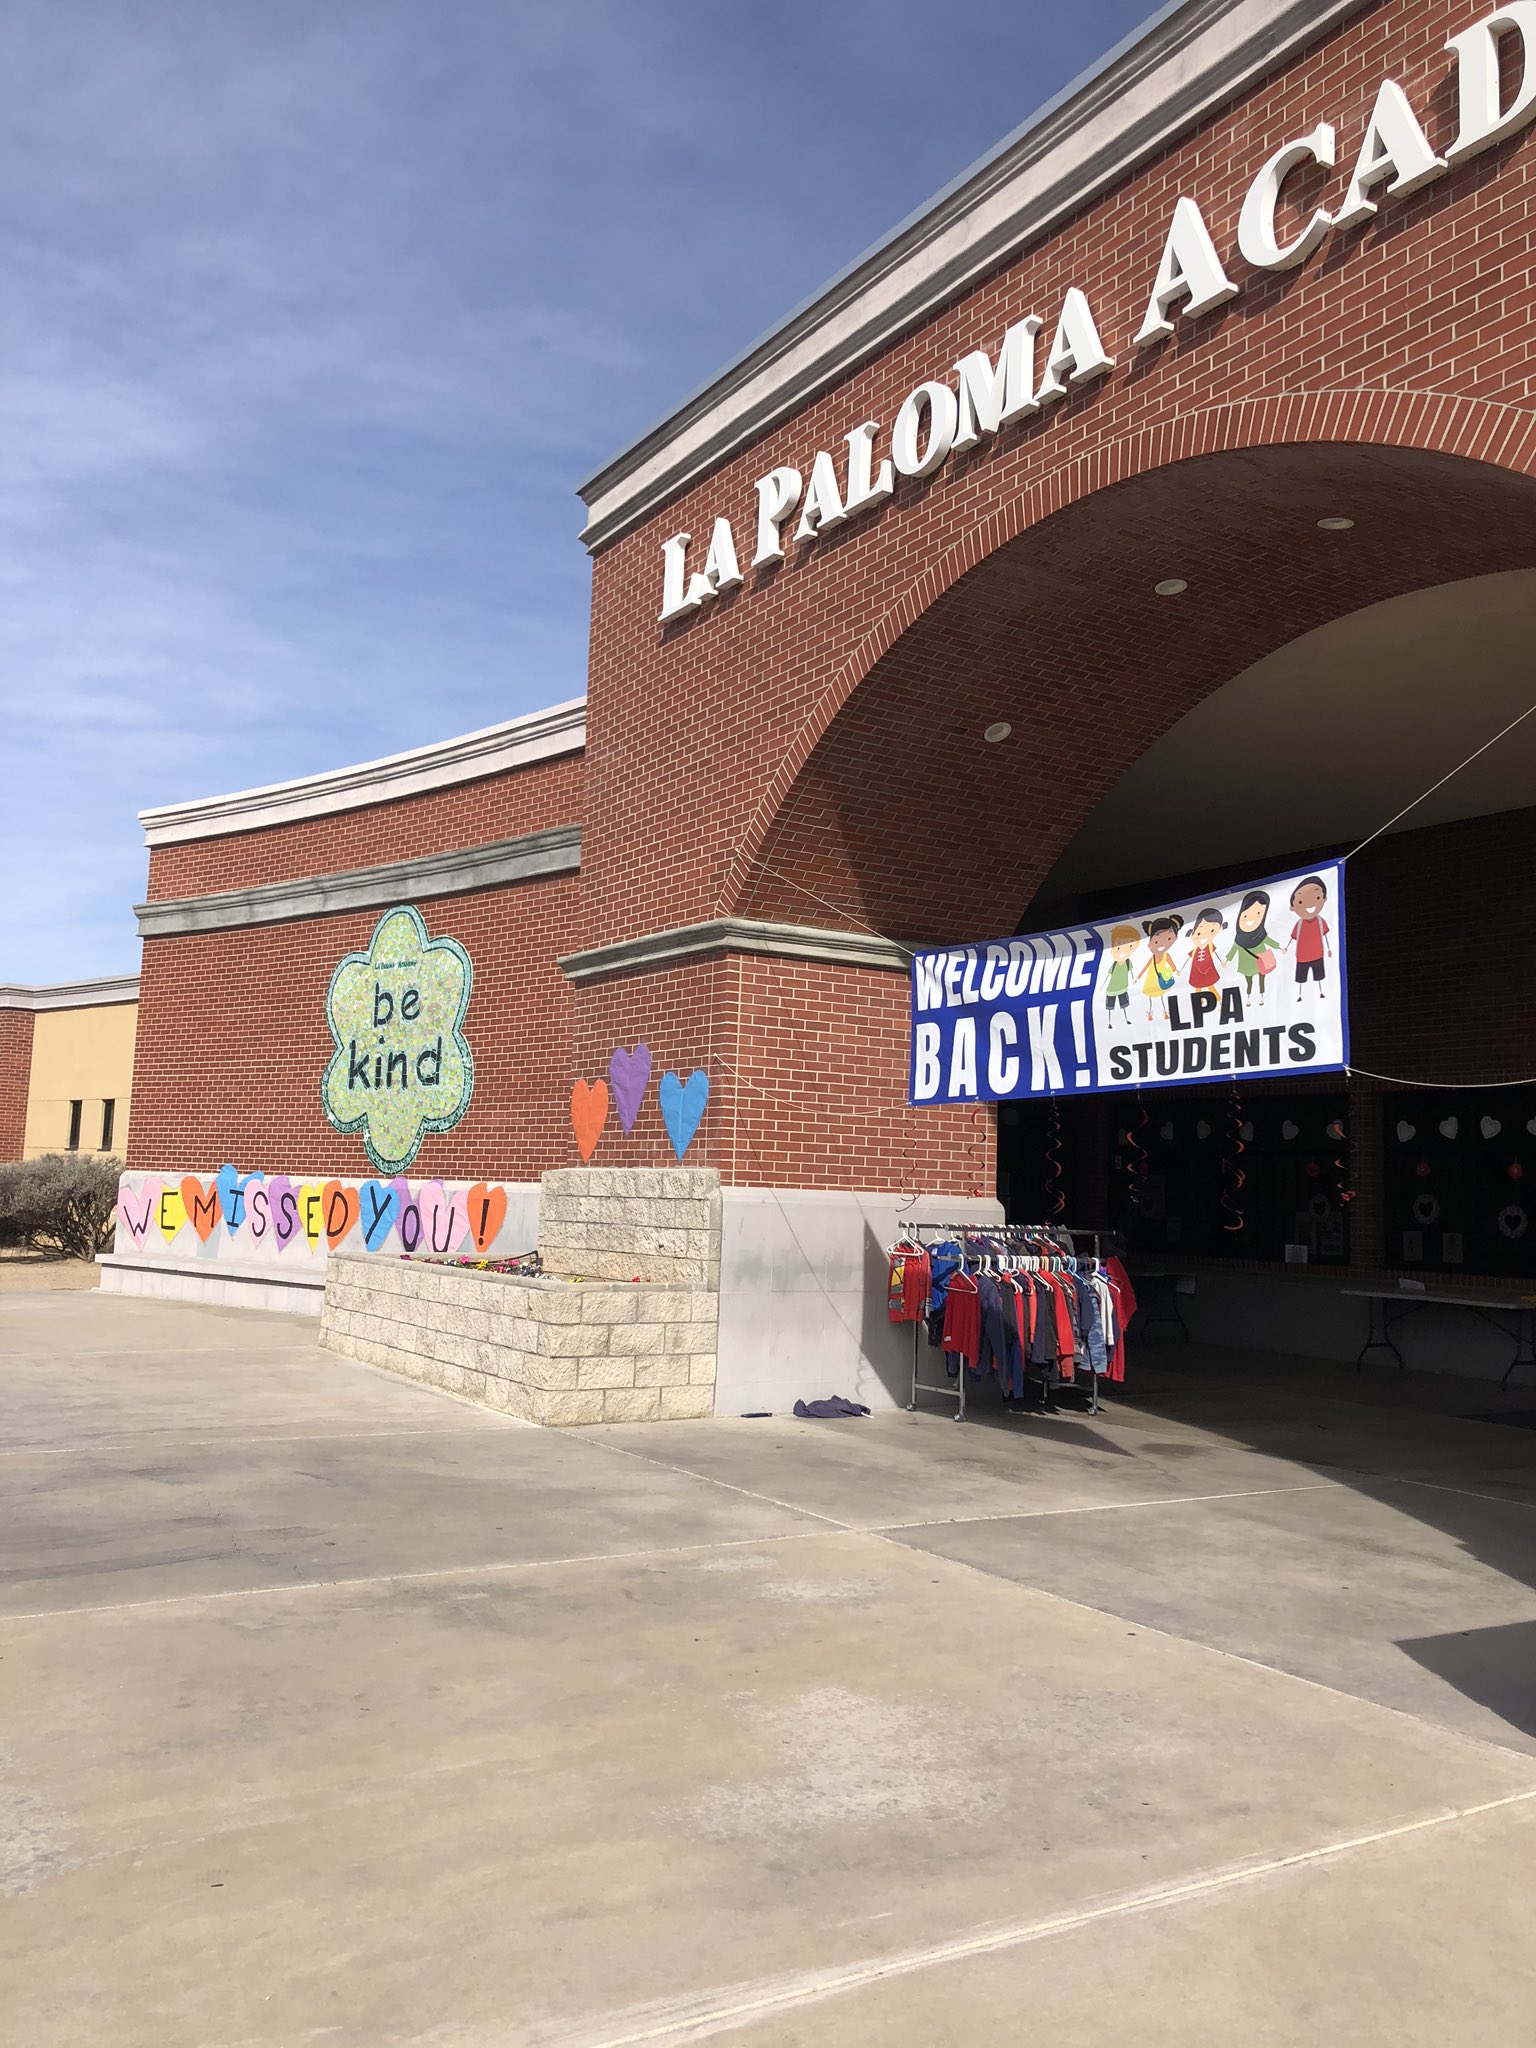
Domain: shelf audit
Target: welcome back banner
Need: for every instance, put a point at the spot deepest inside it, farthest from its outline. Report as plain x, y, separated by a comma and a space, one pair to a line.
1250, 981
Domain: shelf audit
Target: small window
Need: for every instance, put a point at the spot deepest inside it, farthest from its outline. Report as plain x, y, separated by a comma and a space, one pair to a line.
74, 1125
108, 1118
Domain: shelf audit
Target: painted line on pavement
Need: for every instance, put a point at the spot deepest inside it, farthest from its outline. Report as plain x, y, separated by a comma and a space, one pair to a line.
165, 1438
1106, 1507
283, 1588
696, 2018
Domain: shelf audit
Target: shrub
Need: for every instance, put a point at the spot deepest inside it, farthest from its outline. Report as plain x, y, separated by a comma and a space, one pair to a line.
59, 1205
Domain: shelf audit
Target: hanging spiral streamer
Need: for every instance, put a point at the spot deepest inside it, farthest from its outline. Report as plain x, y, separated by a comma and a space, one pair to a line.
1344, 1195
1233, 1176
911, 1186
1136, 1165
1055, 1193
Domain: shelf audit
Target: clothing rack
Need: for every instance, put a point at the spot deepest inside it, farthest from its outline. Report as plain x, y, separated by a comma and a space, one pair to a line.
1022, 1238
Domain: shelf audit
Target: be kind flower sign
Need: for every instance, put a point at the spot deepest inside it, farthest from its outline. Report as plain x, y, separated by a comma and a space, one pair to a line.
402, 1066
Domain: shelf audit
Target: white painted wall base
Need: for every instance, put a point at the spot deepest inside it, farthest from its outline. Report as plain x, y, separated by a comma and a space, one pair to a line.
802, 1295
236, 1269
217, 1286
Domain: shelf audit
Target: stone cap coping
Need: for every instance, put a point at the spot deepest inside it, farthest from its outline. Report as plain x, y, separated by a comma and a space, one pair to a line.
530, 857
652, 950
70, 995
515, 743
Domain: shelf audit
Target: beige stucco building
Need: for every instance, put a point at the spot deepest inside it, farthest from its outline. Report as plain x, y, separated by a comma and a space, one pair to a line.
66, 1066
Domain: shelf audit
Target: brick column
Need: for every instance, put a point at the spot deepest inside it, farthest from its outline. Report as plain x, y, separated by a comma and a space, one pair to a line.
15, 1079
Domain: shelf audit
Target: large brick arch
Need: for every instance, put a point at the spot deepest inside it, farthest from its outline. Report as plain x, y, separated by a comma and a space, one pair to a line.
1044, 613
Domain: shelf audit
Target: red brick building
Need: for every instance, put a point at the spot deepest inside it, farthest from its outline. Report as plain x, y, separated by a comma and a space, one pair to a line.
1266, 281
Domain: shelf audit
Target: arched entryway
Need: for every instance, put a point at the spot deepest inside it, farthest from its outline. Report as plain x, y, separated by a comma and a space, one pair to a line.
899, 815
895, 817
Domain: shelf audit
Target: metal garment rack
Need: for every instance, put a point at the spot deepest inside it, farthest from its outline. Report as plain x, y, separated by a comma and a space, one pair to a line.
1009, 1234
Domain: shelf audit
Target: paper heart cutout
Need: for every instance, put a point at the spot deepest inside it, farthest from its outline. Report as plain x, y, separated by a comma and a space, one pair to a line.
1245, 1132
232, 1194
1531, 1126
378, 1204
1404, 1133
170, 1212
283, 1197
1202, 1129
201, 1201
682, 1106
589, 1112
343, 1206
1449, 1127
1288, 1130
1336, 1131
630, 1073
443, 1217
1168, 1132
1490, 1127
312, 1211
258, 1212
408, 1221
136, 1207
487, 1210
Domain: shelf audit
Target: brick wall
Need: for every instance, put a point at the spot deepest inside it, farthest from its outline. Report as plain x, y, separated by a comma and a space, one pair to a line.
687, 752
233, 1041
807, 749
496, 807
15, 1078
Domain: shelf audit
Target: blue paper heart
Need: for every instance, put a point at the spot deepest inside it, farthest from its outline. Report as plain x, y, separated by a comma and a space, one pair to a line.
232, 1194
682, 1106
380, 1203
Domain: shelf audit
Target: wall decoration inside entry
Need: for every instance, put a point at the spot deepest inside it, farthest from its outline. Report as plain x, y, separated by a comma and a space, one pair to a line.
402, 1066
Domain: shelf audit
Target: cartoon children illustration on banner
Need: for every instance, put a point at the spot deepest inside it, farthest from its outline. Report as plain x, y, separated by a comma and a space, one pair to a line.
1252, 947
1160, 974
1055, 1012
1310, 934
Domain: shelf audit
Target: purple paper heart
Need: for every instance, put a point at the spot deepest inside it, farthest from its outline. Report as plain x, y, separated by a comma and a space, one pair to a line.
630, 1073
283, 1208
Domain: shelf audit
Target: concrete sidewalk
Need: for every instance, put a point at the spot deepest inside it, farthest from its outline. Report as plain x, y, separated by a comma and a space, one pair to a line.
338, 1710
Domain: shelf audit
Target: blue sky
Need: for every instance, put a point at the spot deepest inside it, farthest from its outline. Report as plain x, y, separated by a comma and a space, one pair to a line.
314, 315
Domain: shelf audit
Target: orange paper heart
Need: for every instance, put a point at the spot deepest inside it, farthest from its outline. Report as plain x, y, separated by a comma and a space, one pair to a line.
589, 1112
343, 1206
487, 1211
201, 1202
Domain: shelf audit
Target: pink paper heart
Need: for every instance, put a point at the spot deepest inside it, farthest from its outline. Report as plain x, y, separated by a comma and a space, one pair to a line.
136, 1207
444, 1218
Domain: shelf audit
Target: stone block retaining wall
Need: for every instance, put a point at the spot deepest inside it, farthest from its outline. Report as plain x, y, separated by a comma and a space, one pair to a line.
553, 1351
611, 1222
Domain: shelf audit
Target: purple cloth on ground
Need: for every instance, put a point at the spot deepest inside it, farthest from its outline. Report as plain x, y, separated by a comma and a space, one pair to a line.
833, 1405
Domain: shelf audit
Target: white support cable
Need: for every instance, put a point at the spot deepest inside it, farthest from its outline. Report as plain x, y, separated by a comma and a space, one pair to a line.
1524, 715
1398, 1081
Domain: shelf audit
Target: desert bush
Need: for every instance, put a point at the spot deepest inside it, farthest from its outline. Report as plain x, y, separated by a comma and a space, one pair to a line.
60, 1205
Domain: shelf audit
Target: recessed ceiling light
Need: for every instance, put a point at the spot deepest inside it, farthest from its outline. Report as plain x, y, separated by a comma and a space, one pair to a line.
999, 731
1335, 525
1171, 586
